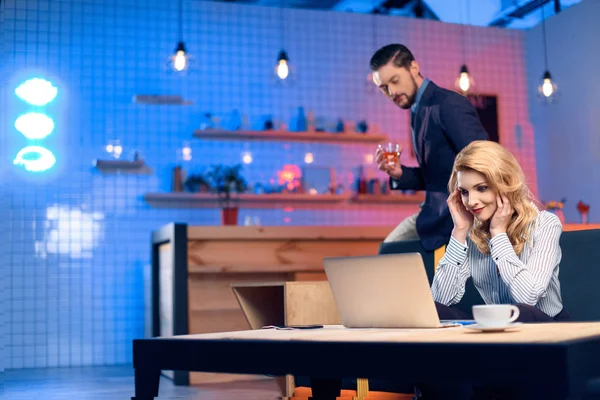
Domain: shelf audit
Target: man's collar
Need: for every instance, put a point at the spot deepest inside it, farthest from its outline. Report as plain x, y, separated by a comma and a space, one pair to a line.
414, 107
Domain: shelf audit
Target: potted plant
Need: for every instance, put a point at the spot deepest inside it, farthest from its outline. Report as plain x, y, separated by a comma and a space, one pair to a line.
197, 183
226, 182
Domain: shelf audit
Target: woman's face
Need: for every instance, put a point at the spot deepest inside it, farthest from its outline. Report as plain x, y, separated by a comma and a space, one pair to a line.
478, 198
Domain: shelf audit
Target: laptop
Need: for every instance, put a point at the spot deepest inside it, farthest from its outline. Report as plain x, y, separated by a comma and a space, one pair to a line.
383, 291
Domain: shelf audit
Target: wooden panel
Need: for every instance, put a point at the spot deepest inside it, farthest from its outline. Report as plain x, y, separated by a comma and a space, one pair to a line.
210, 321
288, 232
274, 253
310, 303
351, 233
309, 232
310, 276
210, 294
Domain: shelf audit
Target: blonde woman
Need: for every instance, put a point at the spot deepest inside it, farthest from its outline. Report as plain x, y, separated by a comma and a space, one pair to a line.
500, 239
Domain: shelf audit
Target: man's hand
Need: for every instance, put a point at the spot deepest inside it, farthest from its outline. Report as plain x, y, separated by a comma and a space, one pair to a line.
394, 170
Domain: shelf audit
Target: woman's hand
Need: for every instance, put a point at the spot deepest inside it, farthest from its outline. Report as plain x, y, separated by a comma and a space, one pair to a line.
462, 218
502, 216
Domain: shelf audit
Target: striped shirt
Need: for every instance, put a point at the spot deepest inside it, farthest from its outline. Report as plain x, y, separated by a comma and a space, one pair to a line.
503, 277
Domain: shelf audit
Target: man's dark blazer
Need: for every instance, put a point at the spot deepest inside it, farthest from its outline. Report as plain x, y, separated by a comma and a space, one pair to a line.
444, 123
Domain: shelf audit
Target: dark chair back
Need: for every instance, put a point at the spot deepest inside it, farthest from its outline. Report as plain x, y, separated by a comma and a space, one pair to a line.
579, 274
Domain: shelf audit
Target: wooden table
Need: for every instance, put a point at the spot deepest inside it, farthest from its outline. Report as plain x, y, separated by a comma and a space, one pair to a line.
193, 268
559, 357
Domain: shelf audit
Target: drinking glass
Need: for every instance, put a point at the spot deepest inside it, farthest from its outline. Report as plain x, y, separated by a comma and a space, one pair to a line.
391, 153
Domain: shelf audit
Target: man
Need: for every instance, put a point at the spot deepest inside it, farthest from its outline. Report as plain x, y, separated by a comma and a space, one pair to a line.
442, 123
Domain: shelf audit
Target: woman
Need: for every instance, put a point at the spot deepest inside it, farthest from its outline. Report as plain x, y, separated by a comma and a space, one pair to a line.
504, 243
500, 239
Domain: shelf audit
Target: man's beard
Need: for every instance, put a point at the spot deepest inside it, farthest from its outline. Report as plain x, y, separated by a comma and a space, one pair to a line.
411, 99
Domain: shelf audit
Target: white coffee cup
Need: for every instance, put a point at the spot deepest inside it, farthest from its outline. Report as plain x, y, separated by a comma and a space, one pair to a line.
495, 315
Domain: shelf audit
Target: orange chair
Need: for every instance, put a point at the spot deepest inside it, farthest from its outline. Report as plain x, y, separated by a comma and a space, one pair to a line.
304, 393
361, 393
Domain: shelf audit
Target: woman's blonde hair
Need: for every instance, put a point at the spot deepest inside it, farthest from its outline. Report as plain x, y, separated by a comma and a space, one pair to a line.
504, 175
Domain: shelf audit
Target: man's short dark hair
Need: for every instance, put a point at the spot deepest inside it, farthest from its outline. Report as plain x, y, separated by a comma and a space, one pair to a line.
399, 54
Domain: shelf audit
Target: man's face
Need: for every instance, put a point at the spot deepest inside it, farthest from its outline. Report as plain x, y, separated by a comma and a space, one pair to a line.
398, 83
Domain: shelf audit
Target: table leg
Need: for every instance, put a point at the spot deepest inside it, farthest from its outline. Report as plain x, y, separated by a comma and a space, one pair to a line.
146, 384
325, 388
362, 388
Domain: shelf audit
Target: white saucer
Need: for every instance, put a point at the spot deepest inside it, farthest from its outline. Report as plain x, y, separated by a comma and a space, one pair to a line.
477, 327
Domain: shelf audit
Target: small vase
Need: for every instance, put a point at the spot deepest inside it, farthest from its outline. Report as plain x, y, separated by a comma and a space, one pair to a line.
177, 180
229, 216
300, 120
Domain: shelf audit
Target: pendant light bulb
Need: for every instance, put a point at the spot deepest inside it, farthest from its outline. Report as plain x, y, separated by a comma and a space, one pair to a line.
548, 90
548, 87
465, 82
180, 58
282, 69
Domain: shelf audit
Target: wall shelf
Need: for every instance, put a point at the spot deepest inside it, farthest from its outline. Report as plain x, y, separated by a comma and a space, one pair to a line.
275, 200
246, 200
157, 99
122, 166
349, 137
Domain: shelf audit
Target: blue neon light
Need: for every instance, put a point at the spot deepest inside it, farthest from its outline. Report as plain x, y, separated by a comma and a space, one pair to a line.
34, 125
35, 158
37, 91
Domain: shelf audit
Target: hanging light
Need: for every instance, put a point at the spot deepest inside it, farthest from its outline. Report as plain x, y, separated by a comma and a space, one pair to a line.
465, 81
282, 69
179, 61
285, 74
547, 90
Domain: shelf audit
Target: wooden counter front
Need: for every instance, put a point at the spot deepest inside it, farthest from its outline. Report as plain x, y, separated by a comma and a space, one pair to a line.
194, 268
